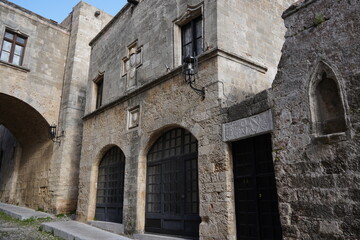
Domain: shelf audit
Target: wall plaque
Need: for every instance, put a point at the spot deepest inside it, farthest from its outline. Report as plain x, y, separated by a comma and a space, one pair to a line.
247, 127
133, 117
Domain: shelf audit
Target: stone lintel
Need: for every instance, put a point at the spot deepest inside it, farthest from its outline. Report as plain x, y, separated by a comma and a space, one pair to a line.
247, 127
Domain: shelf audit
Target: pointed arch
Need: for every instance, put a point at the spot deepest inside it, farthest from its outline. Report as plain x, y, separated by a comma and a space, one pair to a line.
327, 105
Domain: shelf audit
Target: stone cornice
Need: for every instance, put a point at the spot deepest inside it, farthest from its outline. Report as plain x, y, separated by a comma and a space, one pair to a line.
107, 26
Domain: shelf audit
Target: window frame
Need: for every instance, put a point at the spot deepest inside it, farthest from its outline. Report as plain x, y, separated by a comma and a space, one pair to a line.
99, 92
194, 39
14, 43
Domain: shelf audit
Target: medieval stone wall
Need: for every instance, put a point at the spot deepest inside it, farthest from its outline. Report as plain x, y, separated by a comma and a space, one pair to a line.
47, 43
152, 36
253, 32
318, 172
83, 23
49, 88
29, 103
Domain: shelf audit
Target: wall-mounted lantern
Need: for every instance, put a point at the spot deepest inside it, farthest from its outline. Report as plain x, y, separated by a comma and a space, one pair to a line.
53, 133
190, 70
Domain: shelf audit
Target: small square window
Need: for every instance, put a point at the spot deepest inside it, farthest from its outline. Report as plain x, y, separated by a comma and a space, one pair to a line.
13, 48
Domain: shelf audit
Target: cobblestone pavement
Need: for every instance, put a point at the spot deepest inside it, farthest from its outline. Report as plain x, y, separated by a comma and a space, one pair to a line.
14, 229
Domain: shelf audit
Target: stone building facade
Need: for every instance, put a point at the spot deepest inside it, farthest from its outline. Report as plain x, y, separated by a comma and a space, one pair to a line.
314, 103
139, 106
46, 87
229, 154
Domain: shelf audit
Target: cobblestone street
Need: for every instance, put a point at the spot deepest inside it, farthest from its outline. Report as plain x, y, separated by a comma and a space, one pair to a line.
14, 229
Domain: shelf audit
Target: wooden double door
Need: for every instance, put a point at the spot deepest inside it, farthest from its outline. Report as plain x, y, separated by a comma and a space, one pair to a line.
257, 214
172, 199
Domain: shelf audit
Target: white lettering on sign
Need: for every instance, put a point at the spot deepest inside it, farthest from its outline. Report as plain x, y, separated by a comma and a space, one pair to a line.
247, 127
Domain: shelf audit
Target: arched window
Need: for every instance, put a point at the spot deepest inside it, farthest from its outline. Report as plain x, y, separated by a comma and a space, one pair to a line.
327, 106
172, 198
110, 187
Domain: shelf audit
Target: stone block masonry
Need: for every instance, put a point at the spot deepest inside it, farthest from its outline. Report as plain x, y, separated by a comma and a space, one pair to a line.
318, 174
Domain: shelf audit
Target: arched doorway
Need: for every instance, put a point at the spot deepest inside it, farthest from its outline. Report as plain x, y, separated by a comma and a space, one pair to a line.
110, 187
172, 196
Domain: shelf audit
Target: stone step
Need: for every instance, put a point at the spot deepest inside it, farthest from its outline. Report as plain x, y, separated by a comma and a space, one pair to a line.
148, 236
108, 226
22, 213
72, 230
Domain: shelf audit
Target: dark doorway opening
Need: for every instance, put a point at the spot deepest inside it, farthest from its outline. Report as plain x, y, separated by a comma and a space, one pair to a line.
110, 187
172, 198
257, 214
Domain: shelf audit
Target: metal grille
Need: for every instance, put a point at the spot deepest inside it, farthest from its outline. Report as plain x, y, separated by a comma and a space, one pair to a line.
110, 188
172, 185
257, 214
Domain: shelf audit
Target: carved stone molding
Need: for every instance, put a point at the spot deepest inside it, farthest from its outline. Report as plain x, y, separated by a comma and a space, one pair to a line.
248, 127
131, 63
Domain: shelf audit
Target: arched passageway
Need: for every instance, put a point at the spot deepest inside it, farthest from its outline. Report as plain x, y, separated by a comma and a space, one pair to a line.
27, 178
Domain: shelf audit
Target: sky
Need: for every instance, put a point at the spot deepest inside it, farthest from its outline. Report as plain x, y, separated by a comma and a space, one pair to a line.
58, 10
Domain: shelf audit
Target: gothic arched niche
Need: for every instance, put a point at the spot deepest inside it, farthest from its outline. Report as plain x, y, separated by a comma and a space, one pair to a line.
326, 102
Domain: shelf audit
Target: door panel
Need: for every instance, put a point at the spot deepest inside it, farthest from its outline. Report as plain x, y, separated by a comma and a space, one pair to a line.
110, 187
257, 215
172, 199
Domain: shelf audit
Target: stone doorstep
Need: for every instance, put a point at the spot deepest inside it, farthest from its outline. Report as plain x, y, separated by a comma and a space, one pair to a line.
22, 213
72, 230
119, 229
148, 236
108, 226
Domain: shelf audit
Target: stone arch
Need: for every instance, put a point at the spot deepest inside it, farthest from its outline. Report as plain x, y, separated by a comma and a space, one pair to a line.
22, 120
34, 152
327, 105
148, 142
174, 155
94, 179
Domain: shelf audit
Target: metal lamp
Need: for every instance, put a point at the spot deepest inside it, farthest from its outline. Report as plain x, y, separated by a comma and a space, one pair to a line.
190, 70
53, 133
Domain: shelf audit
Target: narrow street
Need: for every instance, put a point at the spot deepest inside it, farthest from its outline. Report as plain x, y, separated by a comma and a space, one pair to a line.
30, 229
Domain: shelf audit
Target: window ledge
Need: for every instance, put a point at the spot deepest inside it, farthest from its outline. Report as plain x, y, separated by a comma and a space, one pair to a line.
17, 67
330, 138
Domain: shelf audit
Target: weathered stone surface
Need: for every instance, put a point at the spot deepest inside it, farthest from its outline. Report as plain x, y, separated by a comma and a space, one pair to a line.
317, 174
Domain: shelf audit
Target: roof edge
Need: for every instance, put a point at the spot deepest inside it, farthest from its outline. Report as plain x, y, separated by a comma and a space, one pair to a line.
107, 26
50, 21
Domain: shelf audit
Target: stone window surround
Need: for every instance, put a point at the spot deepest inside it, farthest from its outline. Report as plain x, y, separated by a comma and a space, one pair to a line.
314, 80
95, 81
191, 13
128, 72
